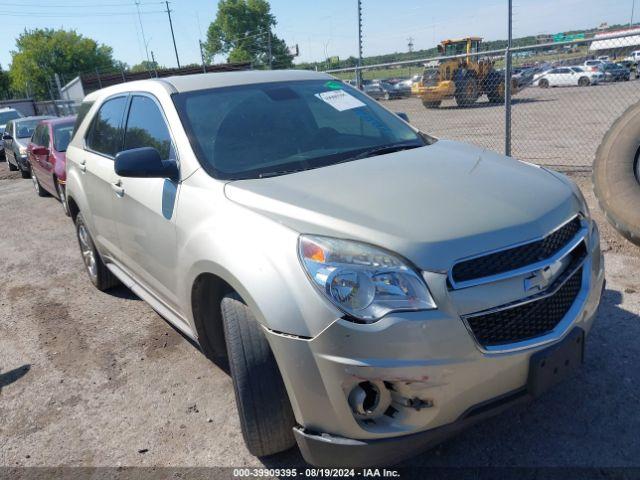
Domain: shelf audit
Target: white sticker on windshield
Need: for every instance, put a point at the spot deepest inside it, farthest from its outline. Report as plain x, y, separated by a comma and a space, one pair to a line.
340, 100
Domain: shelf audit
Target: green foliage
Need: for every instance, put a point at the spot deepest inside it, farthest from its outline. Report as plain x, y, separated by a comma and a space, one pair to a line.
43, 52
5, 84
146, 66
243, 31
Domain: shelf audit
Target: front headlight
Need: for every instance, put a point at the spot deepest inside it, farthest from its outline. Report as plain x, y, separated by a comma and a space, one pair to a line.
363, 281
23, 150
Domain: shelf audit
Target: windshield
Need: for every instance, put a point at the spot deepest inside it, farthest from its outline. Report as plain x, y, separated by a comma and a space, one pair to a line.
25, 128
6, 116
62, 136
257, 130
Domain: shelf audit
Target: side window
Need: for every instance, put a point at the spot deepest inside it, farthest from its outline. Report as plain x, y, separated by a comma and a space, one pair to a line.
8, 128
146, 127
105, 134
36, 135
82, 112
44, 140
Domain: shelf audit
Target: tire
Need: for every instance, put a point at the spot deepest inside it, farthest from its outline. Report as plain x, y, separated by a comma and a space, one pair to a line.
62, 196
468, 91
12, 167
387, 96
616, 174
99, 274
41, 192
494, 86
435, 104
584, 82
543, 83
25, 173
266, 416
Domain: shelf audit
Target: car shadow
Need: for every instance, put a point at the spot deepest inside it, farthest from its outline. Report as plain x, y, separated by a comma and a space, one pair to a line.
485, 104
14, 375
123, 292
588, 420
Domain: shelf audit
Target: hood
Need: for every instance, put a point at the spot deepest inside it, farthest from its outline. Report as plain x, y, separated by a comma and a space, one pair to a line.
433, 205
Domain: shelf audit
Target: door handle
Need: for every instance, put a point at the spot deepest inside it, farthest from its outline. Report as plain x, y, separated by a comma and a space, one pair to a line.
82, 165
118, 188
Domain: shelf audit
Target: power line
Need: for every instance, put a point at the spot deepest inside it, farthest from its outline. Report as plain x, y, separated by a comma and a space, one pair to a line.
76, 15
144, 40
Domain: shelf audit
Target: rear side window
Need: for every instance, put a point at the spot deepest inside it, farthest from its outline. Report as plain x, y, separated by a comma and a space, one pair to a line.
146, 127
62, 136
105, 134
37, 135
44, 139
82, 112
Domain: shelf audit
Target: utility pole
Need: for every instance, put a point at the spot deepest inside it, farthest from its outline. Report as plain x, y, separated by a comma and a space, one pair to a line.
204, 68
507, 83
155, 65
633, 7
358, 72
270, 51
172, 35
144, 40
410, 44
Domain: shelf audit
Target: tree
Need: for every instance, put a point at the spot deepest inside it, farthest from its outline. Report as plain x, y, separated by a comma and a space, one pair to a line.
41, 53
243, 30
5, 88
146, 66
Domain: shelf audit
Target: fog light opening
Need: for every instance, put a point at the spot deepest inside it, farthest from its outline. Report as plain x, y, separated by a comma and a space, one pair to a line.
364, 398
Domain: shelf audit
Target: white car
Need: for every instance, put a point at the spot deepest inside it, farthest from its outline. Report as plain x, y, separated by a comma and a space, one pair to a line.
567, 76
593, 65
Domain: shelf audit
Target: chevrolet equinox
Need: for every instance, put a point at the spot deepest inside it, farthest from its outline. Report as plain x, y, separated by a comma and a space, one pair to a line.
373, 289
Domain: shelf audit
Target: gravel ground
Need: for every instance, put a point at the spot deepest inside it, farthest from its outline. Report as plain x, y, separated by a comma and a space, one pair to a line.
561, 127
99, 379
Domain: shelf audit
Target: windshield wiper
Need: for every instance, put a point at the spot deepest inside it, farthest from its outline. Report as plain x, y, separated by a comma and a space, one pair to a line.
372, 152
277, 173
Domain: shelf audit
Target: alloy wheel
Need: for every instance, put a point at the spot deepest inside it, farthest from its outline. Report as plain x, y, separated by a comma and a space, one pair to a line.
88, 252
36, 185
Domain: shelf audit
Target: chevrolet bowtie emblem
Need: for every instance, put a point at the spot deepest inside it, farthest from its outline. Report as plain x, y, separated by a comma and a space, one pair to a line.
540, 279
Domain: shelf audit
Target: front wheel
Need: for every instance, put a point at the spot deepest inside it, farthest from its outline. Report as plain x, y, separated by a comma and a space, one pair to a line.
434, 104
25, 173
266, 417
543, 83
41, 192
583, 82
12, 167
99, 274
616, 174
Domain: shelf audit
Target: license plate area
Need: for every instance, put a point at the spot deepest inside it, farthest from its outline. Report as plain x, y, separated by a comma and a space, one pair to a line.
554, 364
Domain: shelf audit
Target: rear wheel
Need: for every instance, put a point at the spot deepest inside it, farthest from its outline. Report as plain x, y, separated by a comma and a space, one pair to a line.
616, 174
99, 274
41, 192
494, 86
266, 416
467, 91
62, 196
583, 81
543, 83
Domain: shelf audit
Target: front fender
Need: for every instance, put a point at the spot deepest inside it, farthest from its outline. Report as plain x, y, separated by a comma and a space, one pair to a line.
256, 256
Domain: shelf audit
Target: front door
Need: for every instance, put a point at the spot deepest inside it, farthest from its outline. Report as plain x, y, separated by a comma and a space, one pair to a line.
144, 212
102, 142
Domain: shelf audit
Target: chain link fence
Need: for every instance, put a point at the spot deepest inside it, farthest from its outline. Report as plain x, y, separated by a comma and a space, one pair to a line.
564, 97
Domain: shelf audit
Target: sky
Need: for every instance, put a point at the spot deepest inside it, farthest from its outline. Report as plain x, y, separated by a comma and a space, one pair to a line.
320, 28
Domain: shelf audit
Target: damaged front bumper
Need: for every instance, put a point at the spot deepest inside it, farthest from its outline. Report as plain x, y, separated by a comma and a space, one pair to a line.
408, 381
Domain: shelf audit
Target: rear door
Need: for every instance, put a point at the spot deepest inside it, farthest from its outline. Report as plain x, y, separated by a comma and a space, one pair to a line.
8, 143
102, 141
144, 210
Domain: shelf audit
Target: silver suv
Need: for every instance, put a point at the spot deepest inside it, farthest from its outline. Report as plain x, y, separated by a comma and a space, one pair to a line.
373, 289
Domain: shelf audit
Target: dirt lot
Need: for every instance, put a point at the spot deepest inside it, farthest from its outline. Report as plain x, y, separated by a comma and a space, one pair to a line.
99, 379
556, 126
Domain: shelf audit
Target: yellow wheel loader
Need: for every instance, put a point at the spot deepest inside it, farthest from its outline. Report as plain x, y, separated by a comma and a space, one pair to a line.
464, 78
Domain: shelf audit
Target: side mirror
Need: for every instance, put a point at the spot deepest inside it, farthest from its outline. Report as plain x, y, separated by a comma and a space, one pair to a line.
40, 151
145, 162
6, 136
403, 116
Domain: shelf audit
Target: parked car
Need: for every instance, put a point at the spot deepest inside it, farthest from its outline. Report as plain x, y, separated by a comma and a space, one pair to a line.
614, 73
47, 158
382, 91
373, 288
16, 138
593, 65
523, 76
403, 87
566, 76
6, 114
